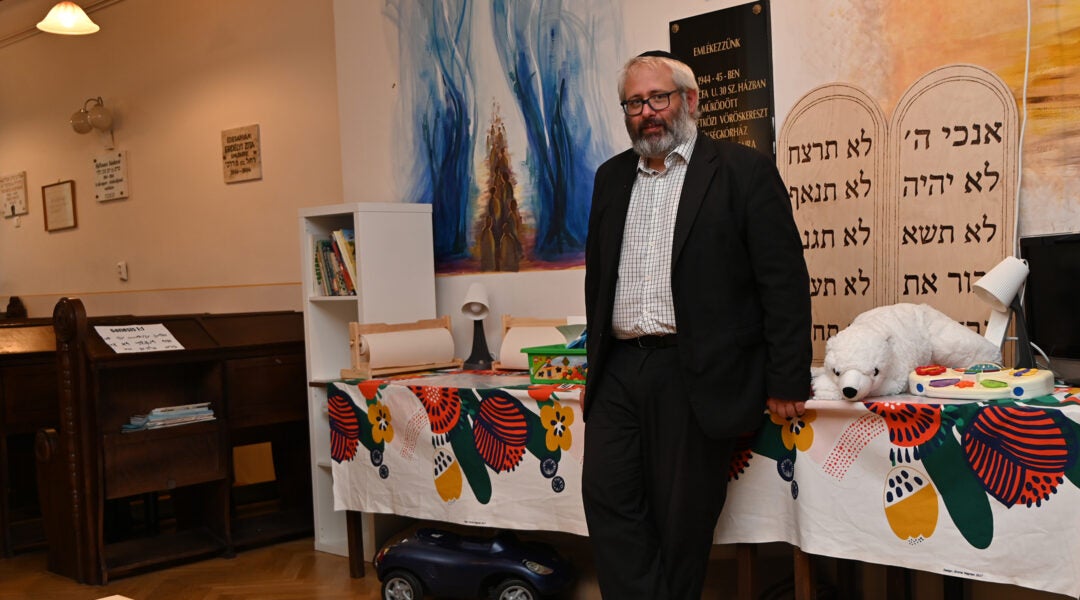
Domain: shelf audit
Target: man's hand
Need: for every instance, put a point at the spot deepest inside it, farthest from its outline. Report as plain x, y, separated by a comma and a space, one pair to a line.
786, 408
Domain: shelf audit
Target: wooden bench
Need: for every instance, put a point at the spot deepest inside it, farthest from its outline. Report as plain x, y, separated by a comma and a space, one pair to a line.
28, 402
174, 484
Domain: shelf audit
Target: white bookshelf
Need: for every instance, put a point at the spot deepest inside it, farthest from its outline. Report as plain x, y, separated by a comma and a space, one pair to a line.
395, 267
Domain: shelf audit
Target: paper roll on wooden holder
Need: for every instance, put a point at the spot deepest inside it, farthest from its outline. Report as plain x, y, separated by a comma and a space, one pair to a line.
361, 359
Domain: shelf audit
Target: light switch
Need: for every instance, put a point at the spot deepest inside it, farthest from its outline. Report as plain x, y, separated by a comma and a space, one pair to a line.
121, 270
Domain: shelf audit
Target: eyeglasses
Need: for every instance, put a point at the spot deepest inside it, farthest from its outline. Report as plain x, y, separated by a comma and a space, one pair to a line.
657, 102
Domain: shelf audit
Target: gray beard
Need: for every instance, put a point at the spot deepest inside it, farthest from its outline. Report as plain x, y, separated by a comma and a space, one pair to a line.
683, 128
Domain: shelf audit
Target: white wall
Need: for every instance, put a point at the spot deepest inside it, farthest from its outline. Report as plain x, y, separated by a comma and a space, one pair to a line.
175, 74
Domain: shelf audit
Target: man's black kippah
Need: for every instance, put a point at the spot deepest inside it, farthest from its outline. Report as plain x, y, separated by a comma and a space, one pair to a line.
659, 53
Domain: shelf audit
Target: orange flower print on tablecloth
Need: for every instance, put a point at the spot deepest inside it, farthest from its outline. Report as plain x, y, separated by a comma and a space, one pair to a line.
344, 425
910, 426
348, 430
443, 406
500, 432
542, 392
1017, 453
370, 388
557, 420
740, 458
1020, 453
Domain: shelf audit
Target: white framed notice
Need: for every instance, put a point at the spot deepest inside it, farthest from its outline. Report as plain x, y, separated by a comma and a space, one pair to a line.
154, 337
59, 201
13, 194
110, 176
240, 154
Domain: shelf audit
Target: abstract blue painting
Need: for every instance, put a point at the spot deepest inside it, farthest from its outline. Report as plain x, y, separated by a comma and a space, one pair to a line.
504, 102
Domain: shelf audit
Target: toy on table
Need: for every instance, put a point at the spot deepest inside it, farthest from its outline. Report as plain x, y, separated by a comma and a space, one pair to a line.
980, 382
875, 353
444, 563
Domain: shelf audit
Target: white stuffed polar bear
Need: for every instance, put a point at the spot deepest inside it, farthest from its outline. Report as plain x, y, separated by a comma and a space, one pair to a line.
875, 354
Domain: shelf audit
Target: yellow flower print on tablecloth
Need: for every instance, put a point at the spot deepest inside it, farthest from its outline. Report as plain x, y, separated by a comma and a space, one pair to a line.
796, 432
557, 420
381, 428
911, 504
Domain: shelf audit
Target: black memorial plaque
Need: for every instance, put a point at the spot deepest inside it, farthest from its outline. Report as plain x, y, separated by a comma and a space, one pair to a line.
730, 51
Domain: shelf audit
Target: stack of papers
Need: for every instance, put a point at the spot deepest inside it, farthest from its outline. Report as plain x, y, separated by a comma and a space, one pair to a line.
170, 416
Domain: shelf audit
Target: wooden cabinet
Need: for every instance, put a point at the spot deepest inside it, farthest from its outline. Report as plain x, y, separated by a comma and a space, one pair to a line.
28, 401
395, 264
117, 502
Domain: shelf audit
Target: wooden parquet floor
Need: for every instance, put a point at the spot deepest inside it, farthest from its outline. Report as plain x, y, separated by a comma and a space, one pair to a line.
286, 571
294, 570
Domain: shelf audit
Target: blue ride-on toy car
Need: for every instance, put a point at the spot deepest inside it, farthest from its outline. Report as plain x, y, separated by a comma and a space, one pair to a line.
446, 564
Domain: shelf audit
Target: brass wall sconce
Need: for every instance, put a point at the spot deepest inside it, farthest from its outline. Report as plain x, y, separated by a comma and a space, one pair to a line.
93, 115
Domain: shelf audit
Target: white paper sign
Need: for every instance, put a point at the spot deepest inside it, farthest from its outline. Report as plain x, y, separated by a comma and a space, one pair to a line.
138, 338
110, 176
13, 194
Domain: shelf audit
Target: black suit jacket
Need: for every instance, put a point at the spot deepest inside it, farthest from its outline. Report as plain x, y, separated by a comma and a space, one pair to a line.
738, 280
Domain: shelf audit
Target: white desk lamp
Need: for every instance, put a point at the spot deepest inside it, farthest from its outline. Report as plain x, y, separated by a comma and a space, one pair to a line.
1000, 288
475, 308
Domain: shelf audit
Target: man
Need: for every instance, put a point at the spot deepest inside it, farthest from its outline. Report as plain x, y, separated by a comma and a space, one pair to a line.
698, 307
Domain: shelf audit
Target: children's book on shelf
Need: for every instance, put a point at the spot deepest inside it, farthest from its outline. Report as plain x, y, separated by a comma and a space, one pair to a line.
335, 280
317, 269
341, 253
345, 240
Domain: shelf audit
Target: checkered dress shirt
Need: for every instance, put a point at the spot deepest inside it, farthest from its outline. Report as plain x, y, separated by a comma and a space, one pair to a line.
643, 304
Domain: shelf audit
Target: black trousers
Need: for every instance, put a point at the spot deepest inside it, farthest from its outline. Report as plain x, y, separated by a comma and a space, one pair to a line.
653, 483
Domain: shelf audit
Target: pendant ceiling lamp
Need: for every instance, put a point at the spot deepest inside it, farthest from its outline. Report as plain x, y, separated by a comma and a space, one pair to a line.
67, 18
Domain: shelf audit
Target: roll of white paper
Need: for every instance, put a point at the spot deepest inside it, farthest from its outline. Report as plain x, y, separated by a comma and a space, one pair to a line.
407, 348
510, 354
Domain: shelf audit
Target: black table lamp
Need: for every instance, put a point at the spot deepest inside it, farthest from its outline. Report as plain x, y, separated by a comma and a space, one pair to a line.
475, 308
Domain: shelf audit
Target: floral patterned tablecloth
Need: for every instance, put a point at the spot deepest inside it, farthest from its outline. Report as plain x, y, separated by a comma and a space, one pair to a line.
476, 448
983, 490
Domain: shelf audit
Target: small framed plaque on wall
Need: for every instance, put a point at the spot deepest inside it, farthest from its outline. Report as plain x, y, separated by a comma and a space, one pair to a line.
110, 176
13, 194
59, 201
240, 154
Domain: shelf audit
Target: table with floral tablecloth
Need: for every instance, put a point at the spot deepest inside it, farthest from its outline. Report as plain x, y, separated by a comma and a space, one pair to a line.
475, 448
982, 490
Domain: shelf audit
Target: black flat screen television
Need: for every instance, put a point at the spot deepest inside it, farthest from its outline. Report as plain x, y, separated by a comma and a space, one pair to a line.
1052, 300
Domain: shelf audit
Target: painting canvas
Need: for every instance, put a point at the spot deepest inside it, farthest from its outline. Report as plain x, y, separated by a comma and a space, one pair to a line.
503, 125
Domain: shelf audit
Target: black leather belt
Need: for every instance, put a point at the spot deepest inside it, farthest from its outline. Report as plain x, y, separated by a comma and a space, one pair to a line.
653, 341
